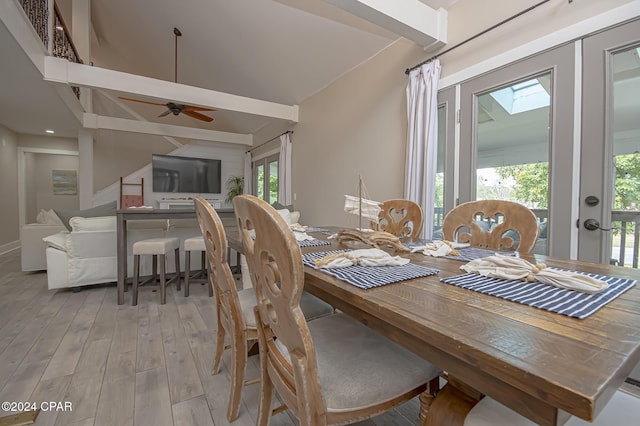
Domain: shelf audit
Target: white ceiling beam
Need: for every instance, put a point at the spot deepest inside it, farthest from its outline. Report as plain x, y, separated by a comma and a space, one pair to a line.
410, 19
94, 121
62, 71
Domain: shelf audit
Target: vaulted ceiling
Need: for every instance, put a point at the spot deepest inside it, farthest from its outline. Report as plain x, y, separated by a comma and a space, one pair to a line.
280, 51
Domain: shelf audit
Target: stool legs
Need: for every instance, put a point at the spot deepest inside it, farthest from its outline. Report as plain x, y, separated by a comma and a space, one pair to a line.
177, 251
204, 271
187, 271
136, 279
163, 276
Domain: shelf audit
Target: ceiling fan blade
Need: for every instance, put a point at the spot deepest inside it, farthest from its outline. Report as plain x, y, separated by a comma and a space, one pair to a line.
198, 116
164, 114
141, 101
196, 108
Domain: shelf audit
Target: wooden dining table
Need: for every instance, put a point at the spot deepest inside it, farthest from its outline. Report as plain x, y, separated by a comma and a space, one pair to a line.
544, 365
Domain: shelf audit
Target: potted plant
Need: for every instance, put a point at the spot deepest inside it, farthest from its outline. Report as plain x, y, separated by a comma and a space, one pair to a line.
235, 186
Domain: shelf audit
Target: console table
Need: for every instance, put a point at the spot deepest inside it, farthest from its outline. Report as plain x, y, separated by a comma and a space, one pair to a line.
124, 215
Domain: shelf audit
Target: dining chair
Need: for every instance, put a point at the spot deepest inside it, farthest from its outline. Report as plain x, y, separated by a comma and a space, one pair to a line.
234, 309
622, 409
492, 224
402, 218
332, 370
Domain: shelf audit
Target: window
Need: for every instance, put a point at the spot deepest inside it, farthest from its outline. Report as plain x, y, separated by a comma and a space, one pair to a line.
265, 178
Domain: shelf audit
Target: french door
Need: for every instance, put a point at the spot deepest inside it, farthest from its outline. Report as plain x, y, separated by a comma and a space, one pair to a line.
517, 142
265, 178
610, 156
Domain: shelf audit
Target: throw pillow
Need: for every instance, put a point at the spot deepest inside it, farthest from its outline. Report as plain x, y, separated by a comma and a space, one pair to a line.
58, 241
51, 218
276, 205
108, 209
286, 215
41, 218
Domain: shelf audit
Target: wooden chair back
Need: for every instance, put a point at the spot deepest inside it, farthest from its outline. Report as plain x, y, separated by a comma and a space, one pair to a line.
462, 224
131, 200
286, 348
402, 218
221, 277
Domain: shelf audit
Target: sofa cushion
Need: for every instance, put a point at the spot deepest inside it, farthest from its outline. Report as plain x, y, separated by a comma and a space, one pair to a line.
58, 240
48, 217
108, 209
102, 223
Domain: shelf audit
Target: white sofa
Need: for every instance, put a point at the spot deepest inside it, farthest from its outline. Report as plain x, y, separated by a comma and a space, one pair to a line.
87, 254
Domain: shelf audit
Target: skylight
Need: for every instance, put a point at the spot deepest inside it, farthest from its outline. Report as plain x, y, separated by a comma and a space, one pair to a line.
521, 97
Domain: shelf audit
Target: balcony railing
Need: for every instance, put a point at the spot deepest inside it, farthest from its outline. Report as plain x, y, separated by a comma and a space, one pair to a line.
61, 44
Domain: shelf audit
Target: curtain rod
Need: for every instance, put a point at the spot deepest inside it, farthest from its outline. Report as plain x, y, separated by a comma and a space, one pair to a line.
408, 70
272, 139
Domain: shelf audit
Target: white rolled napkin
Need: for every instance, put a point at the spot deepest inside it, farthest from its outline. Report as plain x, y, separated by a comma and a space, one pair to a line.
438, 248
298, 228
302, 236
515, 268
363, 257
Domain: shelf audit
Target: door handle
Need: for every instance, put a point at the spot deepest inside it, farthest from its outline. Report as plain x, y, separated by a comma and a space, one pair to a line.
593, 225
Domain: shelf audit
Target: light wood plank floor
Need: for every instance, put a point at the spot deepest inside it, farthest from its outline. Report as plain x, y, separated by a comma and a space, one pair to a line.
121, 365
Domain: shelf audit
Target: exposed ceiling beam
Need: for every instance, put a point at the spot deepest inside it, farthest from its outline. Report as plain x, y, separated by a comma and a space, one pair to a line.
410, 19
94, 121
62, 71
135, 115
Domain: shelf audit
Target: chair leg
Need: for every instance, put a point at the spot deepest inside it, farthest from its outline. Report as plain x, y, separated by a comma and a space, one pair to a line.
136, 278
187, 271
177, 255
209, 283
163, 282
215, 368
266, 387
238, 365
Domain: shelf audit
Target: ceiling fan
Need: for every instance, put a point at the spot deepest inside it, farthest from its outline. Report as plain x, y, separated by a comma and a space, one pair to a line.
174, 107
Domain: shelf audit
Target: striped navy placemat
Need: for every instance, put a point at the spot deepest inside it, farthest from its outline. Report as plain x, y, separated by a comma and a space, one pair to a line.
313, 243
566, 302
468, 254
370, 276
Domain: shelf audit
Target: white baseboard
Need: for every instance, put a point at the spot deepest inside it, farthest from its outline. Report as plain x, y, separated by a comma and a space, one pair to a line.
6, 248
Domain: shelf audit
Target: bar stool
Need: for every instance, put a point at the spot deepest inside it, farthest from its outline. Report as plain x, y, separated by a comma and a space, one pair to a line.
155, 247
202, 276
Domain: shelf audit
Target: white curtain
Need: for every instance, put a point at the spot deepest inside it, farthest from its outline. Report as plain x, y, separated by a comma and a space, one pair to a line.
284, 171
422, 140
248, 176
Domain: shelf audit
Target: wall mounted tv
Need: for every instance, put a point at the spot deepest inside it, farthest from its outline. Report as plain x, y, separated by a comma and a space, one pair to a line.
186, 174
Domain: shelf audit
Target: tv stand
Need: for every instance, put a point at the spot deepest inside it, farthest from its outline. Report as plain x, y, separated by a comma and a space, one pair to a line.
174, 203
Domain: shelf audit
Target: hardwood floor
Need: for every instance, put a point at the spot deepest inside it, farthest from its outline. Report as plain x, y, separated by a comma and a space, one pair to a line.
121, 365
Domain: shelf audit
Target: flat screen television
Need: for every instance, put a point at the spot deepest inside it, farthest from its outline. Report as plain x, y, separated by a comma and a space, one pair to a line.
186, 174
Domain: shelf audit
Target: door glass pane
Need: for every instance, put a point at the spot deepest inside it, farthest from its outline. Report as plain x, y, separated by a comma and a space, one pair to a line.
273, 182
626, 151
260, 181
513, 146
